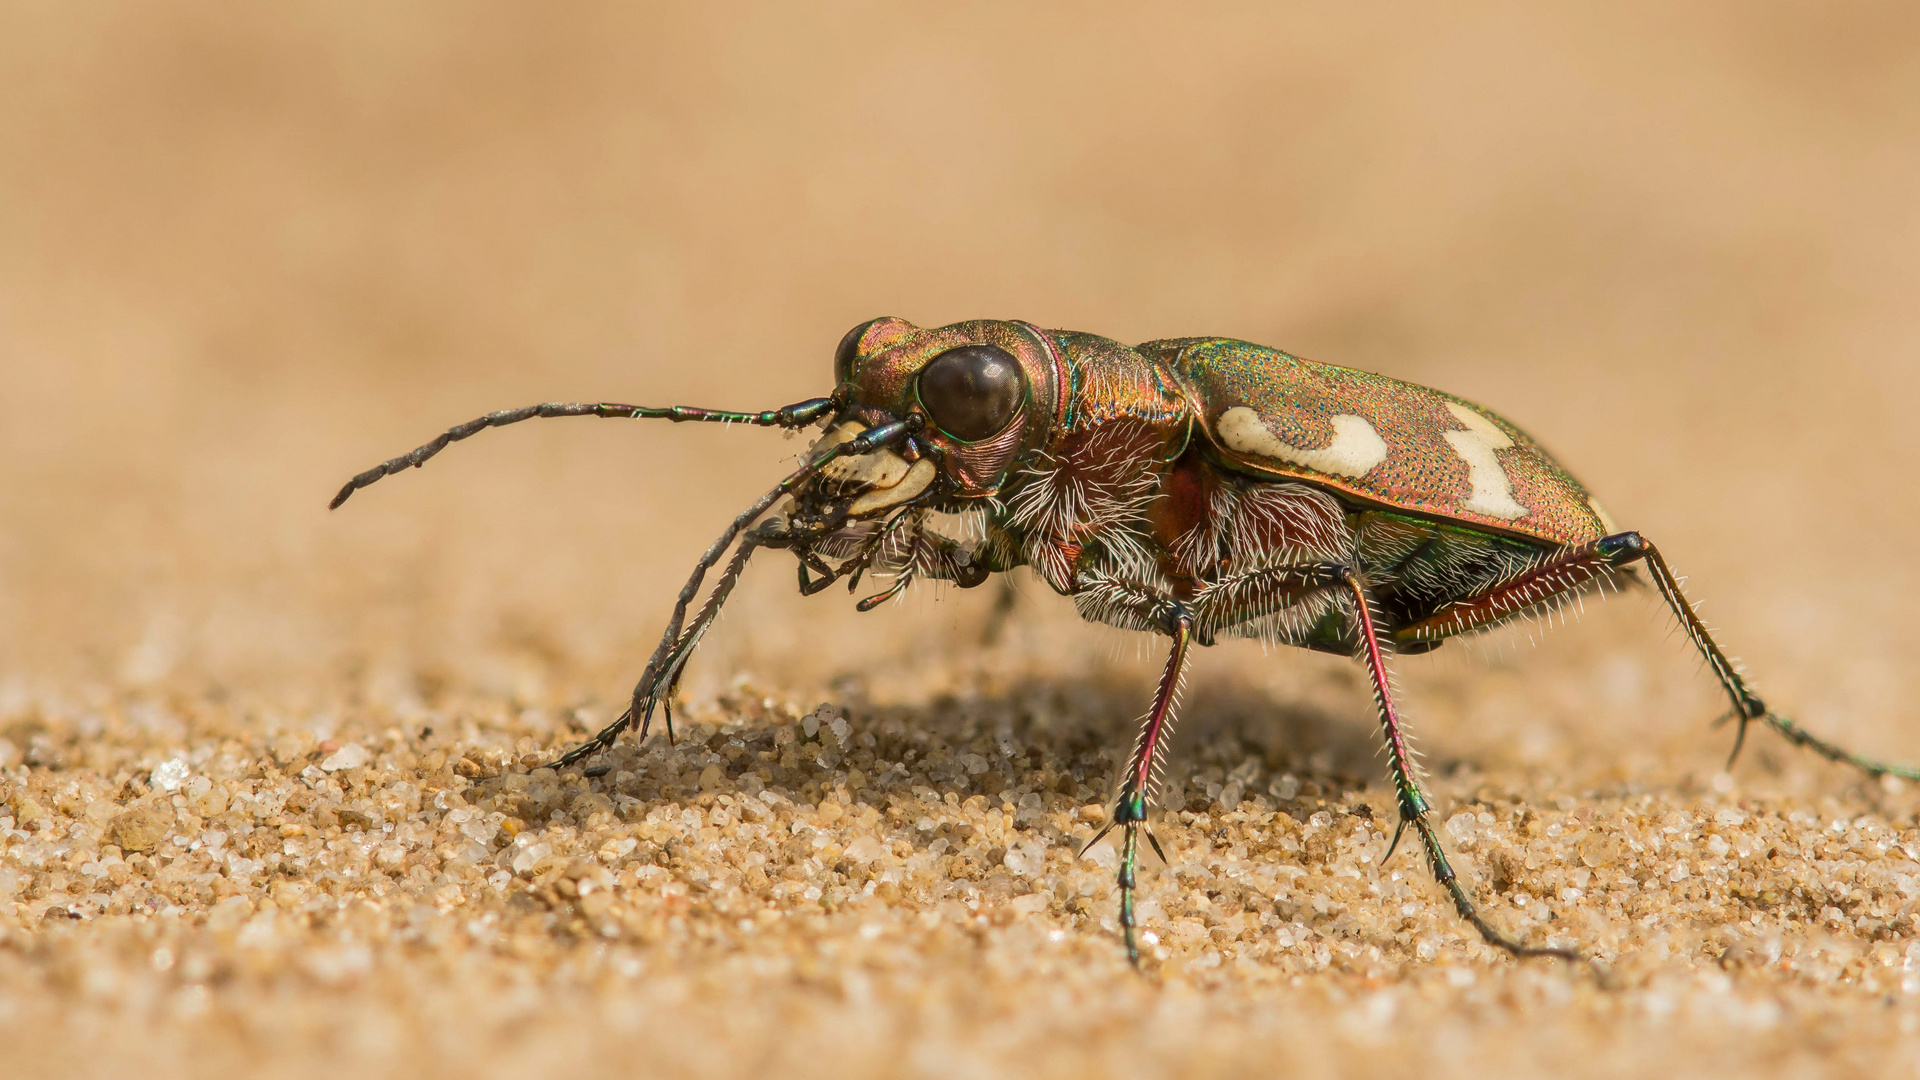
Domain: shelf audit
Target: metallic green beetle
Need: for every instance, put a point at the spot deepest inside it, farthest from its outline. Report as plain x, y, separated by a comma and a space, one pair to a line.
1194, 488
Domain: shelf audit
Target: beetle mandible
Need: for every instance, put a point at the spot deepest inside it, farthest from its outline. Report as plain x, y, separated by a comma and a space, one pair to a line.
1192, 488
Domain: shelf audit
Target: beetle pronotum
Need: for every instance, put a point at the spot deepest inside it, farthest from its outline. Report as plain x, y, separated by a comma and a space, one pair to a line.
1192, 488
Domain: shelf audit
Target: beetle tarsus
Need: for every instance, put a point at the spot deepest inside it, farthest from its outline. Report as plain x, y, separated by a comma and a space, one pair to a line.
1800, 736
1463, 904
601, 740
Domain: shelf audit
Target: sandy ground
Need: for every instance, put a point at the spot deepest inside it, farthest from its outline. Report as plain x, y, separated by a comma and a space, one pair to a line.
267, 803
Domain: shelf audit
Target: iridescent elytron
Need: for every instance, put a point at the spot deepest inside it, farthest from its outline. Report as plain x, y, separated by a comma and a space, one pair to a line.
1195, 488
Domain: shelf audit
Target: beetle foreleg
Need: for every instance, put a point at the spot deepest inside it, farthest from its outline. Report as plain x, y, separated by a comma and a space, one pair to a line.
899, 585
808, 562
661, 688
663, 666
1415, 812
1130, 808
856, 567
910, 550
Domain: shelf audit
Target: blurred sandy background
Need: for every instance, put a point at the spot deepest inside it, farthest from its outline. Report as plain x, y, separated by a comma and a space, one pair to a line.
248, 250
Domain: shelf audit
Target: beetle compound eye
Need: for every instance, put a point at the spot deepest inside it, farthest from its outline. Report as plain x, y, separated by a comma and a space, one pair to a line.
848, 352
973, 391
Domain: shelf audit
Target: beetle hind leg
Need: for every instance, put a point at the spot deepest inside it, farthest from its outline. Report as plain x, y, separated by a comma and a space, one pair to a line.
1747, 705
1612, 560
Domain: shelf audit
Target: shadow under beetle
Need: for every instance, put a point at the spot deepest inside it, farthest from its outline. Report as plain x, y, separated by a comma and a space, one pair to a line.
1194, 488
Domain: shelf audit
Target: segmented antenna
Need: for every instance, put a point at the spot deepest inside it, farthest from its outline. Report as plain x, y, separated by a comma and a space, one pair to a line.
797, 415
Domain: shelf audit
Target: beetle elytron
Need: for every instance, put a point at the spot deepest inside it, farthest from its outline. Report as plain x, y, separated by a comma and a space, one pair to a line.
1195, 488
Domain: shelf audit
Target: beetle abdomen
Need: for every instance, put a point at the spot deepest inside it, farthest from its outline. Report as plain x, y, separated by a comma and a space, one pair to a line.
1395, 444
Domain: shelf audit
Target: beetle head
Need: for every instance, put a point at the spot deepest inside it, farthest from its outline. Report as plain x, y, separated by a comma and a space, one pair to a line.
984, 393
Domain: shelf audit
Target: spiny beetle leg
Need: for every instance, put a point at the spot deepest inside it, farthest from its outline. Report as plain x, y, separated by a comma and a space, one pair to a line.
811, 564
1415, 811
927, 555
1601, 561
856, 568
899, 585
1626, 548
674, 648
601, 740
1130, 809
1554, 578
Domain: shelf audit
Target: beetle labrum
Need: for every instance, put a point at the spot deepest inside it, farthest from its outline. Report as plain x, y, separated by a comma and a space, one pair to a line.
1192, 488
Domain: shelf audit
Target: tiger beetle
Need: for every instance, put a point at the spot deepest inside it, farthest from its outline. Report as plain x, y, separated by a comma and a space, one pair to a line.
1193, 488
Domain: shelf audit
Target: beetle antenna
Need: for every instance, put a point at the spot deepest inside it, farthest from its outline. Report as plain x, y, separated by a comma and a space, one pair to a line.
797, 415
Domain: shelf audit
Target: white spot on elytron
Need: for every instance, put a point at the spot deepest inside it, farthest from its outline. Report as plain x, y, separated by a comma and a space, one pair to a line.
1606, 519
1355, 448
915, 481
1492, 491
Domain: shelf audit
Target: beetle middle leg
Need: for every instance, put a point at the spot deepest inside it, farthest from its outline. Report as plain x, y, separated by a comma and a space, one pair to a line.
1415, 811
1747, 706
